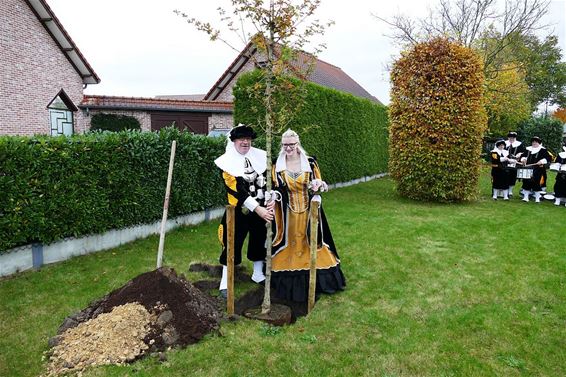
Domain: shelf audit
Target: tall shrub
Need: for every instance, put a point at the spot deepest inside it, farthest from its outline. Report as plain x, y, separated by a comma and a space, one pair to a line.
437, 122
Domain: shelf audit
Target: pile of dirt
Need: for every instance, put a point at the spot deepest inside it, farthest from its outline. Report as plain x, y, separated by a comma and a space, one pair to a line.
111, 338
179, 314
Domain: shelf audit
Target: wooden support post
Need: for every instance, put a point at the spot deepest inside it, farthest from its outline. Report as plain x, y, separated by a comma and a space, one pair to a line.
313, 215
230, 225
166, 206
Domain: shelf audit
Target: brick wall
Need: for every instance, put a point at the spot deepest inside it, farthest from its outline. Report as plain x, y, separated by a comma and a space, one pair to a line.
220, 122
33, 71
142, 116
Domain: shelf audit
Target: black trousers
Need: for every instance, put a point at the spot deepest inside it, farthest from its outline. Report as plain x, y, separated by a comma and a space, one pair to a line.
248, 224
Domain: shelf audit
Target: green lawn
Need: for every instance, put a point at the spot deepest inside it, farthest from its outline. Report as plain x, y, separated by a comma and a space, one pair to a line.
475, 289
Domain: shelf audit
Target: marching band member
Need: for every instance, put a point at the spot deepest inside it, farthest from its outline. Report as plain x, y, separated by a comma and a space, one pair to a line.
243, 168
560, 184
516, 149
536, 156
499, 179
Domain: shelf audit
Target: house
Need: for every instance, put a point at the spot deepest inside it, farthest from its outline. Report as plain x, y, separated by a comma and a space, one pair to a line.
43, 72
154, 113
323, 73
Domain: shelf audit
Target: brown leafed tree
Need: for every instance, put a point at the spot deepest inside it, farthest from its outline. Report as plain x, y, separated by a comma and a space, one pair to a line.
278, 30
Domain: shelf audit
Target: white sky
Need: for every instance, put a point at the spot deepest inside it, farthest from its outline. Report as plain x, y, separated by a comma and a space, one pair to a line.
141, 48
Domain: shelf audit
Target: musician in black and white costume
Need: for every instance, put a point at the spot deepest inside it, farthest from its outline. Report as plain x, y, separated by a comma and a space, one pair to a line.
560, 184
516, 149
537, 156
499, 178
243, 168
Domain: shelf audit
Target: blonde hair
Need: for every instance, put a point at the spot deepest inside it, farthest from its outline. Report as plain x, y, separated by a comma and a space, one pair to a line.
291, 133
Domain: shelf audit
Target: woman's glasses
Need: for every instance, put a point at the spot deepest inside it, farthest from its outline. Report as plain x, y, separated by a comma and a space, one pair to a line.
289, 145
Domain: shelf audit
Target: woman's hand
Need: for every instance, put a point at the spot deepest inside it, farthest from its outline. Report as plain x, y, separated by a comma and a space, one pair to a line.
264, 213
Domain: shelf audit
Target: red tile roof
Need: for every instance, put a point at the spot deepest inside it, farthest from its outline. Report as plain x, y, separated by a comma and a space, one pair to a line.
153, 104
56, 30
324, 74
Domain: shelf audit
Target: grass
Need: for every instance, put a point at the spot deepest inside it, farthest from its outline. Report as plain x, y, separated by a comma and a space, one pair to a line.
475, 289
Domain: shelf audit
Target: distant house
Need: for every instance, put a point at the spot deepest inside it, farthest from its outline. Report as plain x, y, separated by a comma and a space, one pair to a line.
248, 59
43, 72
154, 113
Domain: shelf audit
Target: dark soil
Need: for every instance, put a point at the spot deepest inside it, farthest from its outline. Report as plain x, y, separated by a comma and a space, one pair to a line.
250, 299
183, 313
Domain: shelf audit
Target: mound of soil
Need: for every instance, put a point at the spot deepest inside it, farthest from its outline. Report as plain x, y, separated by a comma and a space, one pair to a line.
180, 314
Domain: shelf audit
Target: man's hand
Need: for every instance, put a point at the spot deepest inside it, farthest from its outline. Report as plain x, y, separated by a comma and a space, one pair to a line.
264, 213
270, 205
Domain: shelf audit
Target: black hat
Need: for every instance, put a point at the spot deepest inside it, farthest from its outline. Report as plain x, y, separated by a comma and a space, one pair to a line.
499, 142
241, 131
512, 134
537, 139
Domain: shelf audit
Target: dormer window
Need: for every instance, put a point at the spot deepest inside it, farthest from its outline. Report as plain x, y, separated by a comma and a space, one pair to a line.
61, 110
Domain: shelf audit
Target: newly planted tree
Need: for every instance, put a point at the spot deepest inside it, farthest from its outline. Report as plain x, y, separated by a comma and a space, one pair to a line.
276, 32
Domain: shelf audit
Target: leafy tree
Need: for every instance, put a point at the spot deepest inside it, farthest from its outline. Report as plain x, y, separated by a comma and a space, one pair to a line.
560, 114
548, 129
280, 32
437, 121
507, 100
545, 72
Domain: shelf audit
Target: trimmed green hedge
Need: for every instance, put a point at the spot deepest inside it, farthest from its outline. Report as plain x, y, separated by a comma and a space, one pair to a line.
114, 122
348, 135
56, 187
548, 129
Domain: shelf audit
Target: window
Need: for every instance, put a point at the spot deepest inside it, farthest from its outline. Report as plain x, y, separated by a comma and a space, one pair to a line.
61, 110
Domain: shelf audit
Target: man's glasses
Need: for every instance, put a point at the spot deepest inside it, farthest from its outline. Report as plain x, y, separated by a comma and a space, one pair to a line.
290, 145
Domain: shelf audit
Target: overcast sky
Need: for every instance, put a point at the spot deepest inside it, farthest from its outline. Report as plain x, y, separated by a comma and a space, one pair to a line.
141, 48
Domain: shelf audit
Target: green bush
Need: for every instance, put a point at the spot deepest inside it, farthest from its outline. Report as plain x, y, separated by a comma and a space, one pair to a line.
113, 122
548, 129
56, 187
437, 122
347, 134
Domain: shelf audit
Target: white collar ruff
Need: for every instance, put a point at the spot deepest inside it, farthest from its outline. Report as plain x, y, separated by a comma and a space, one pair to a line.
503, 152
535, 150
281, 163
514, 144
234, 163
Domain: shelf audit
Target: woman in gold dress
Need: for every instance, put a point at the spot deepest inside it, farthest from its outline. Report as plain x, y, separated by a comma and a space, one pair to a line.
297, 177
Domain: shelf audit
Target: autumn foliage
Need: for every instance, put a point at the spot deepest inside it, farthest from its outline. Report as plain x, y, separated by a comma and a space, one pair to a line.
437, 122
560, 114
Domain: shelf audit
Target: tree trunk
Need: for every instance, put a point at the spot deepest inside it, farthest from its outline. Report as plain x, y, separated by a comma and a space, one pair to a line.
266, 305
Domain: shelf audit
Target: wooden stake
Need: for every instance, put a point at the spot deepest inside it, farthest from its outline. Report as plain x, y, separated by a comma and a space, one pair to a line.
230, 223
313, 249
166, 206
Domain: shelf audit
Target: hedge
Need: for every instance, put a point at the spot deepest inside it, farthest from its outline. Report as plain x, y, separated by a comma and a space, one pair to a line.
114, 122
548, 129
57, 187
347, 134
